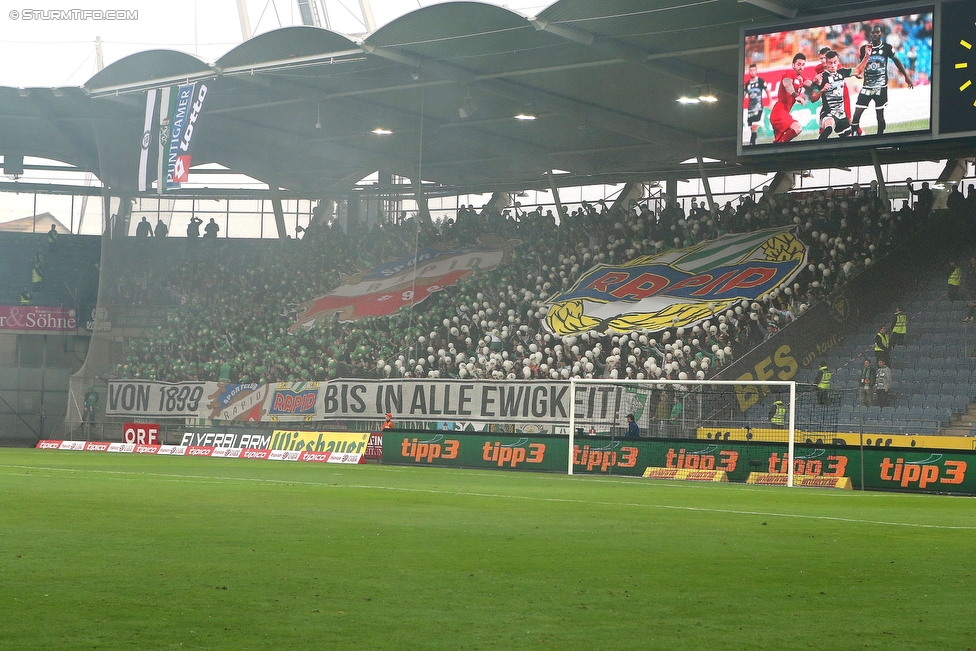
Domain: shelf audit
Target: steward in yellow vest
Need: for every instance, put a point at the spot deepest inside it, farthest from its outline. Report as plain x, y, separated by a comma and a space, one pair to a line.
777, 414
955, 282
900, 328
823, 384
882, 346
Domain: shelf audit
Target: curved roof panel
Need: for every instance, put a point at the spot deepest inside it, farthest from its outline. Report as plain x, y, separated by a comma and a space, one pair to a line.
286, 43
447, 79
146, 67
455, 30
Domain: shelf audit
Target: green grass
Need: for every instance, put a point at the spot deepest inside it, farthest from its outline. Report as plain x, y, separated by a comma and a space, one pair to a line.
103, 551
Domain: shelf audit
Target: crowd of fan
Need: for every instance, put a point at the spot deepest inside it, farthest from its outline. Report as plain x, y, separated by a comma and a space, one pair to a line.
235, 308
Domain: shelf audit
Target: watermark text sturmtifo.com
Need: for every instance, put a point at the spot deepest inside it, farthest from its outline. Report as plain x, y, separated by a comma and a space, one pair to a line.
73, 14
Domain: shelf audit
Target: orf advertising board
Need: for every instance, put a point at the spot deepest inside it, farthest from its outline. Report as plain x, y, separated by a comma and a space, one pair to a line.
141, 433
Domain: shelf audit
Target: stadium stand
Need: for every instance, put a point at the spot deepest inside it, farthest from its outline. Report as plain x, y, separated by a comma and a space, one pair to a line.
70, 272
932, 372
237, 301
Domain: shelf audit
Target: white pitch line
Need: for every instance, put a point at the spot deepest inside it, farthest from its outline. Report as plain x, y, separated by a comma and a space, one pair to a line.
671, 507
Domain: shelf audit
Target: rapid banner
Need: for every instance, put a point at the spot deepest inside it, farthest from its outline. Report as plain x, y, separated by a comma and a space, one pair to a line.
681, 287
523, 402
407, 281
937, 471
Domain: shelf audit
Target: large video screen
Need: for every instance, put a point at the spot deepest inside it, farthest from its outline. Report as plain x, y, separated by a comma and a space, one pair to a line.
957, 105
868, 78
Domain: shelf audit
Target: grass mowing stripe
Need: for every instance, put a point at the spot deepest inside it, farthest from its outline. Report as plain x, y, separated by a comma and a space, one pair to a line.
217, 480
154, 553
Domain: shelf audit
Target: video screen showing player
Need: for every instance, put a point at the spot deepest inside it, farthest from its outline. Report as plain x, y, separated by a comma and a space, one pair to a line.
830, 88
755, 95
871, 52
791, 87
876, 56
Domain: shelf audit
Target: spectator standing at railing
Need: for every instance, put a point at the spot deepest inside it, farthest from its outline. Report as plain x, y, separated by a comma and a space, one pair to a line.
883, 382
161, 229
52, 239
91, 399
955, 201
971, 291
193, 228
633, 429
25, 296
865, 384
144, 229
924, 199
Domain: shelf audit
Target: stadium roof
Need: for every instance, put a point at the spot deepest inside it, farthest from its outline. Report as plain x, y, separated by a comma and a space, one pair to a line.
296, 107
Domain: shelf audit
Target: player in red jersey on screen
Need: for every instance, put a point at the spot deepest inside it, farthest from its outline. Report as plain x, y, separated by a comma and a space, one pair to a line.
785, 127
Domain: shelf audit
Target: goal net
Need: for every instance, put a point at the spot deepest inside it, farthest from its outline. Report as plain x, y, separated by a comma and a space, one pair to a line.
759, 411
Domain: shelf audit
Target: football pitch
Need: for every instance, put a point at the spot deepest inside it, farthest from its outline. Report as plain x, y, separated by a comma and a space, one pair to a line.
104, 551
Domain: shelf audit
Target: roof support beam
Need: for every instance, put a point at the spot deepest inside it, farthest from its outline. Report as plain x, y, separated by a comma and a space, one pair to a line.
484, 141
679, 69
279, 212
606, 118
772, 7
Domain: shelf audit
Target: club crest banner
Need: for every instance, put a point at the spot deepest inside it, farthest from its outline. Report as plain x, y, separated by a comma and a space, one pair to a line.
406, 281
675, 288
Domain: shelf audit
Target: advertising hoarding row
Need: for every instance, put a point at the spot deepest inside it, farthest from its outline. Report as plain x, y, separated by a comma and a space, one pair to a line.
937, 471
933, 470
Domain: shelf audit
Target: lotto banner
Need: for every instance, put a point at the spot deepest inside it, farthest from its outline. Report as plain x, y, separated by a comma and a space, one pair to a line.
407, 281
179, 113
681, 287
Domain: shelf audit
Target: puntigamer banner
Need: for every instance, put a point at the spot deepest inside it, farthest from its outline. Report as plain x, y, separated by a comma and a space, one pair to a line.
438, 400
679, 287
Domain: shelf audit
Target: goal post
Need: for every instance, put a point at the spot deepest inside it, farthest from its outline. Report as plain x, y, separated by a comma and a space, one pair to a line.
753, 410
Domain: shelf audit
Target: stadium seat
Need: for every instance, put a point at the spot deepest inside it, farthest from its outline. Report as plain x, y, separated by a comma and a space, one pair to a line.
937, 415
